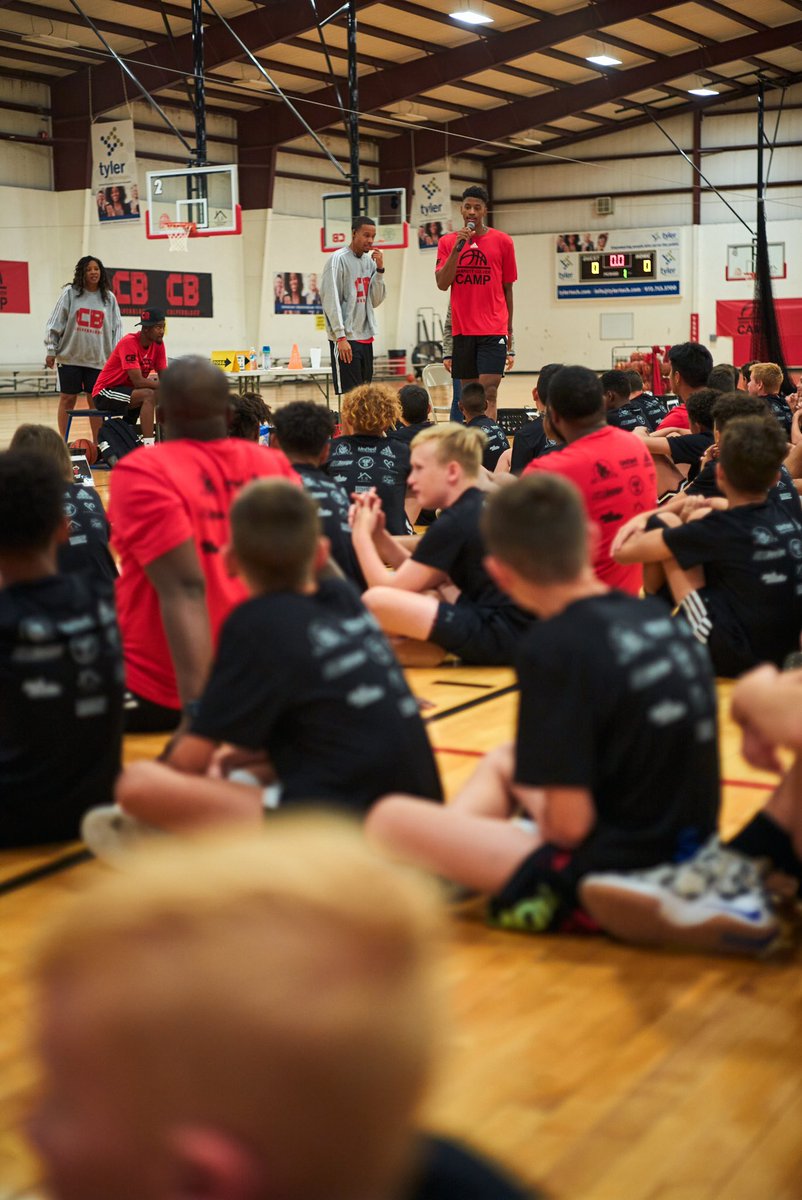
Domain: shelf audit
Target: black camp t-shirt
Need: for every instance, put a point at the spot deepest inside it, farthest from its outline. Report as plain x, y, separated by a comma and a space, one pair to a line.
618, 698
88, 545
783, 492
497, 442
405, 433
454, 545
628, 417
530, 442
333, 505
653, 408
689, 448
61, 689
445, 1170
312, 680
752, 557
779, 406
360, 461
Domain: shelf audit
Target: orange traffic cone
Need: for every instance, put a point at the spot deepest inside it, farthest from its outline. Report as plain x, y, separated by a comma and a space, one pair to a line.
296, 362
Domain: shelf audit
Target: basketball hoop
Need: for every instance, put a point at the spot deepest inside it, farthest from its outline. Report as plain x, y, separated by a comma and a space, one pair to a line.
178, 233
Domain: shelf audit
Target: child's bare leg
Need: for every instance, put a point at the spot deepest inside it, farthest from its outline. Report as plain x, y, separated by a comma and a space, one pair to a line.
785, 805
489, 790
681, 582
654, 577
476, 851
168, 799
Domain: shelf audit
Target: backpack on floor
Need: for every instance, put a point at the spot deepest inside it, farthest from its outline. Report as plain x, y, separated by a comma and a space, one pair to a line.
116, 439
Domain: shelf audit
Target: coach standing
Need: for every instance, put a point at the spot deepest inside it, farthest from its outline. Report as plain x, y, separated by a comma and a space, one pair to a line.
351, 288
478, 265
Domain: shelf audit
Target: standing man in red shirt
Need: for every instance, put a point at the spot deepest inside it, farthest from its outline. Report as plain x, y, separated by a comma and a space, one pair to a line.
611, 468
127, 385
478, 265
169, 512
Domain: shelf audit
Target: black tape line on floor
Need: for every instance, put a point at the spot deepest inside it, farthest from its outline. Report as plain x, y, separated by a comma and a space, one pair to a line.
50, 868
458, 708
485, 687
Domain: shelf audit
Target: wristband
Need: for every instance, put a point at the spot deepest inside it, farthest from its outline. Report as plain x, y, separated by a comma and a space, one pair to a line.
655, 521
380, 270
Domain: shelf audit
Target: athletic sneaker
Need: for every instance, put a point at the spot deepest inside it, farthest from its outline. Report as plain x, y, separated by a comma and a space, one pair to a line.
111, 834
714, 901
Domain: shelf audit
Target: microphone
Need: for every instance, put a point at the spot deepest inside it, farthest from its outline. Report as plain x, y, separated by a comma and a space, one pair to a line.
468, 225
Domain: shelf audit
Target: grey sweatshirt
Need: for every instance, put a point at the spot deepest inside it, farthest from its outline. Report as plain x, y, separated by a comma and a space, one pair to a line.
349, 291
82, 330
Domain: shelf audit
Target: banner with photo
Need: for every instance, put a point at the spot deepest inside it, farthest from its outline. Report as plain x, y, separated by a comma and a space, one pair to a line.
297, 293
431, 210
115, 184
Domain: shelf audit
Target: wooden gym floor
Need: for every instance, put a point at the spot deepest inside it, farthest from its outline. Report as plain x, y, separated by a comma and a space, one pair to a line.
597, 1071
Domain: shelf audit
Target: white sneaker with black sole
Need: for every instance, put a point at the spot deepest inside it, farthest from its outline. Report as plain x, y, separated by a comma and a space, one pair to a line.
714, 901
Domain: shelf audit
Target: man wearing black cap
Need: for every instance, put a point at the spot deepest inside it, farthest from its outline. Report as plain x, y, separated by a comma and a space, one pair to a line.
128, 384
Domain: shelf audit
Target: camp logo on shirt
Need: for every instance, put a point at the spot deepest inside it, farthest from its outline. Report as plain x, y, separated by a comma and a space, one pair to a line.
473, 267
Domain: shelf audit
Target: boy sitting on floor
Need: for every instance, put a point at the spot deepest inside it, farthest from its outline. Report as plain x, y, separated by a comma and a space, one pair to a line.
482, 626
615, 759
677, 457
303, 681
61, 688
735, 572
473, 405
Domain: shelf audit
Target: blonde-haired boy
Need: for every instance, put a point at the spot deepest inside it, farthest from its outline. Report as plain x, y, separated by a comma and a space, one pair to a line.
766, 379
481, 625
243, 1019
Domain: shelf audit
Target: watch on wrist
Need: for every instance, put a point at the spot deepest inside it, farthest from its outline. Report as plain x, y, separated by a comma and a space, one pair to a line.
192, 708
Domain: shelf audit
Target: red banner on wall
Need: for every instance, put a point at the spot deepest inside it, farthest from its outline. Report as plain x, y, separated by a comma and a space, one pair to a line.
15, 296
694, 327
735, 319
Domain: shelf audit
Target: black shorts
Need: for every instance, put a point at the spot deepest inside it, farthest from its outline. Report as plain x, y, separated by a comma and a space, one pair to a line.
144, 716
713, 622
116, 402
480, 637
72, 379
347, 376
475, 356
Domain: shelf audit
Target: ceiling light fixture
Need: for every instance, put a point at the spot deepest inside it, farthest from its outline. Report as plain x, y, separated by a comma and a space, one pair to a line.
703, 90
50, 39
525, 138
604, 60
471, 16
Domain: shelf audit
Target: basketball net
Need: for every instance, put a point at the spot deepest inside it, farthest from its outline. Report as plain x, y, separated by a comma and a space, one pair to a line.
178, 234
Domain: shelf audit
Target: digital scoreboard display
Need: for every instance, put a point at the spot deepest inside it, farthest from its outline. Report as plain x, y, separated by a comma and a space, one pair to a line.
618, 266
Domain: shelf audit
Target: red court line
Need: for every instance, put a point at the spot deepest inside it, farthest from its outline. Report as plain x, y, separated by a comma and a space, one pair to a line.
749, 783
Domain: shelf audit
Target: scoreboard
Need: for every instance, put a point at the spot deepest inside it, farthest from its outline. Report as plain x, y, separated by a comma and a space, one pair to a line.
618, 264
617, 267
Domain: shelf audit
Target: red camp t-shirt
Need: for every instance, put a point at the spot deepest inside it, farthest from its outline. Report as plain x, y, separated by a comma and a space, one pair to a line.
160, 497
677, 418
615, 474
127, 355
486, 262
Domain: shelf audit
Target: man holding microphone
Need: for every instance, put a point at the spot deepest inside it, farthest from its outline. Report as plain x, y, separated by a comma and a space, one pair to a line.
351, 287
478, 265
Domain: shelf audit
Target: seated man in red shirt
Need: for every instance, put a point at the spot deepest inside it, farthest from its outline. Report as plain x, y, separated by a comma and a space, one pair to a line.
613, 471
127, 385
169, 512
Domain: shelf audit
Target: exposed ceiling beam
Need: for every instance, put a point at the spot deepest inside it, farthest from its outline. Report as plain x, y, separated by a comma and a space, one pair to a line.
156, 66
505, 120
569, 141
69, 16
447, 66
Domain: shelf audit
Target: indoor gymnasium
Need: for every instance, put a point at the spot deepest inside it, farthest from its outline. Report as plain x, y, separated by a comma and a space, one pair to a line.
400, 599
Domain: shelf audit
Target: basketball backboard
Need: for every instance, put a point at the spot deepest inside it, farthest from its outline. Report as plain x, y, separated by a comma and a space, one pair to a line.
386, 206
206, 198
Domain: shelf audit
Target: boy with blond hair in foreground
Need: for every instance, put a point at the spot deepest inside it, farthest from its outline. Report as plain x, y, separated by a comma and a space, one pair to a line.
247, 1019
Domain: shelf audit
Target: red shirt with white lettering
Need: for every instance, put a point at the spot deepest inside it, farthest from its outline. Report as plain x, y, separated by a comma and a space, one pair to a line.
615, 474
485, 264
677, 418
127, 355
161, 496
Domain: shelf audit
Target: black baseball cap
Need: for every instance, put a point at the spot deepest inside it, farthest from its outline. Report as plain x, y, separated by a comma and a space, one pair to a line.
151, 316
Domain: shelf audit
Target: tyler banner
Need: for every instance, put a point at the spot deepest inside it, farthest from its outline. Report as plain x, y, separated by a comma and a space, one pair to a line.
735, 319
114, 175
177, 293
15, 294
431, 208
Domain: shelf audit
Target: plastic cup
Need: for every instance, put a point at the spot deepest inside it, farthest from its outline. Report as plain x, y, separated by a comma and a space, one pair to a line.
314, 358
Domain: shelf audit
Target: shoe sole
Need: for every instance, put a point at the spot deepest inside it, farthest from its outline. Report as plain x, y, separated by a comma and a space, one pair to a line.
640, 917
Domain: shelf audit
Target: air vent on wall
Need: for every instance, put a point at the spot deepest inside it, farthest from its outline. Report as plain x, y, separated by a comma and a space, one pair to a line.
605, 206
